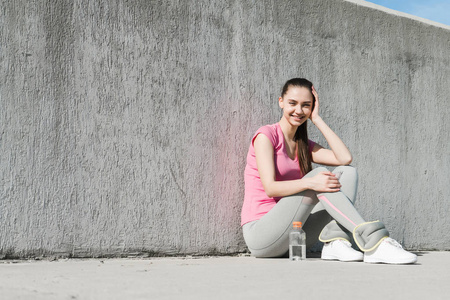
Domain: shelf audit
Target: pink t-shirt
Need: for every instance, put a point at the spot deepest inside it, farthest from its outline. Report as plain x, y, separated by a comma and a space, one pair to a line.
256, 202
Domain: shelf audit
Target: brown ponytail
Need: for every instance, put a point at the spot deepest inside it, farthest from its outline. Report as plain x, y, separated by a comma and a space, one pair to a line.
303, 154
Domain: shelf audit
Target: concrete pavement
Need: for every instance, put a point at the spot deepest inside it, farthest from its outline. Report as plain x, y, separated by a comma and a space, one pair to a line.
241, 277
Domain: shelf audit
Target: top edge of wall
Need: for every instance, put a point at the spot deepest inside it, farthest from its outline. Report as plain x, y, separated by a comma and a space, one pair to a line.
398, 13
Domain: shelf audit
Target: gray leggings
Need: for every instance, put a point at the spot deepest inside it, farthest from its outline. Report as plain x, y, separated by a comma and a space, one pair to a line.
269, 236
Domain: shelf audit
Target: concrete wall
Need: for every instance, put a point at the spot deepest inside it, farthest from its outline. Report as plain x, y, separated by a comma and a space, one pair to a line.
124, 125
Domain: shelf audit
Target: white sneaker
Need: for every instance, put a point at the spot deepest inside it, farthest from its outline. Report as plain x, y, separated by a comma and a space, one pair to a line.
340, 250
390, 252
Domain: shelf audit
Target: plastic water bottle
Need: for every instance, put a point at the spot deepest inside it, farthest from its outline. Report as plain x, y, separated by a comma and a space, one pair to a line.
297, 242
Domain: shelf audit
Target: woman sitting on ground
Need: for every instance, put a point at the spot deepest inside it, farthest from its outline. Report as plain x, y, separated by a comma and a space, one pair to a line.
281, 188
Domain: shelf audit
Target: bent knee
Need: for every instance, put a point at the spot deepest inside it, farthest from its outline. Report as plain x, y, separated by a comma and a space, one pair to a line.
321, 169
347, 169
316, 171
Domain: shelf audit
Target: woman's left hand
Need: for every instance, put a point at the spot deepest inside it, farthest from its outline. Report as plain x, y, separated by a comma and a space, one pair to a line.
315, 112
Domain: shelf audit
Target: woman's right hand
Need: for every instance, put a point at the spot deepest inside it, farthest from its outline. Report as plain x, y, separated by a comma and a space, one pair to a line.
315, 113
324, 182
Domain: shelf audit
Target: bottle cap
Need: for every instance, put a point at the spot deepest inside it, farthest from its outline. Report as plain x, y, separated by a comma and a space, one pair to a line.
297, 224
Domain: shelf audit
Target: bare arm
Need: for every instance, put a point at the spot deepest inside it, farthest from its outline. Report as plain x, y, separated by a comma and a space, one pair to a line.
339, 153
323, 182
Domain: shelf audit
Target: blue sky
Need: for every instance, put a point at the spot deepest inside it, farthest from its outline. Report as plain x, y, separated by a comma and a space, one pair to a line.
435, 10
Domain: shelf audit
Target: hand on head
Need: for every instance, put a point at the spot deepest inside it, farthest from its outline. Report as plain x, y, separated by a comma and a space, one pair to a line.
315, 112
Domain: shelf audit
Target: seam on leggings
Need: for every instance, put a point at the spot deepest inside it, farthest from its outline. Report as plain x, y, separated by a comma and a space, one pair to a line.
323, 198
287, 228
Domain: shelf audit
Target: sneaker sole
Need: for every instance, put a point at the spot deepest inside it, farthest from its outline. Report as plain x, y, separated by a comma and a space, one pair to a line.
340, 259
392, 262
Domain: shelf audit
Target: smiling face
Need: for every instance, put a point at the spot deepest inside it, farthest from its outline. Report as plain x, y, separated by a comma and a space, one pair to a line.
297, 105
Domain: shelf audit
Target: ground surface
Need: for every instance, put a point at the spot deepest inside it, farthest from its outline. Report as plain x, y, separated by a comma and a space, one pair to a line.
224, 278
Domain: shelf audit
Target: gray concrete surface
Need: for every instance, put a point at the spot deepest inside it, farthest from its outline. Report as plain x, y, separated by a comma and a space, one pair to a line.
225, 278
124, 124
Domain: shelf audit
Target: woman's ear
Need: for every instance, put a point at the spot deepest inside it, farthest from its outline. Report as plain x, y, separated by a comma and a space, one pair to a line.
280, 102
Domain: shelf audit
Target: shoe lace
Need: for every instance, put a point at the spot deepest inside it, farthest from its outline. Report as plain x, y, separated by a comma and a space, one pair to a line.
345, 242
393, 242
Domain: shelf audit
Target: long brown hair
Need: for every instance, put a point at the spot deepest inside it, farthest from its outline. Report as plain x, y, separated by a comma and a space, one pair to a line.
301, 135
